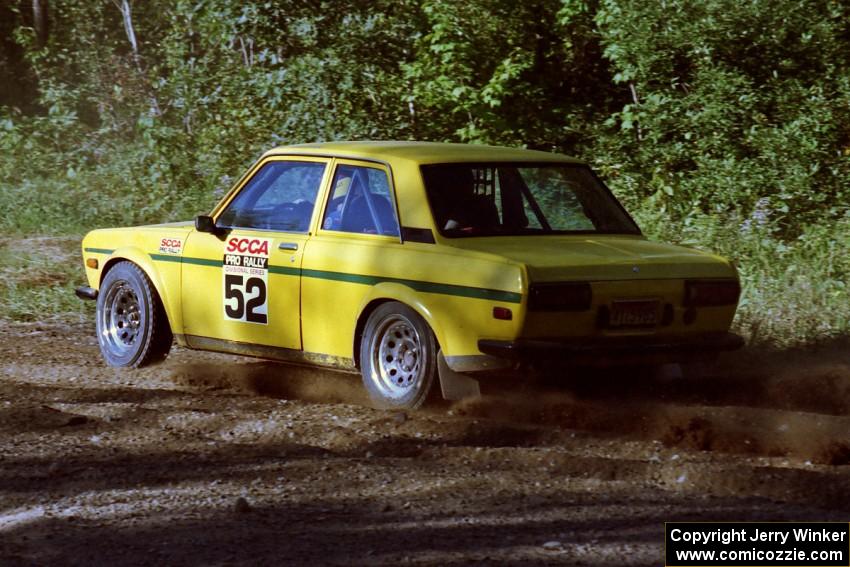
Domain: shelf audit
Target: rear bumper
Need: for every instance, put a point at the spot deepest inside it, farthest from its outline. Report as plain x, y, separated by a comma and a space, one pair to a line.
613, 350
85, 292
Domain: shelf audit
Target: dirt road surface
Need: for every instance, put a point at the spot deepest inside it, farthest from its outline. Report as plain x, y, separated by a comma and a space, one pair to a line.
212, 459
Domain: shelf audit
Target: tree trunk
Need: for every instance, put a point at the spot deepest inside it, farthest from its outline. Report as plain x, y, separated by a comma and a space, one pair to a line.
40, 22
636, 100
127, 17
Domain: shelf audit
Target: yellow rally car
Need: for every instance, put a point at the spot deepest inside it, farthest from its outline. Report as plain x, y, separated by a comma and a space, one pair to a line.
409, 262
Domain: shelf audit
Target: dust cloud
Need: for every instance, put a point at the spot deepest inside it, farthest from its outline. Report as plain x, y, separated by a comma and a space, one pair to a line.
787, 404
289, 382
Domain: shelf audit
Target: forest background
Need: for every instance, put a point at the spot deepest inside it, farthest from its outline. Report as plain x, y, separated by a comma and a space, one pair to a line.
721, 124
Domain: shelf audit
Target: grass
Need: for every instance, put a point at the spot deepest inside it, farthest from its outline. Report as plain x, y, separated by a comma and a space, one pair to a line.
37, 280
797, 296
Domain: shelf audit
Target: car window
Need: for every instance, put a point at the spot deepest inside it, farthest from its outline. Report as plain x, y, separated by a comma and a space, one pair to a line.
361, 202
497, 199
280, 196
559, 192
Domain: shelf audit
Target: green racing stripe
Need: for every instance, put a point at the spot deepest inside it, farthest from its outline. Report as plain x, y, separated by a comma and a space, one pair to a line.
418, 285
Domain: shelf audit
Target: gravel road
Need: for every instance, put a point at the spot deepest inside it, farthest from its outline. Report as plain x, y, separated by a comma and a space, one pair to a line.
212, 459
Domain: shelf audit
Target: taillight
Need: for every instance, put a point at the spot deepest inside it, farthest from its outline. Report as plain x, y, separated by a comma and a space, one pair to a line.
711, 293
560, 297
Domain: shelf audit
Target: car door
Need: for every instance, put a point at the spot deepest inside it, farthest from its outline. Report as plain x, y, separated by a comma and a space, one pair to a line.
356, 245
242, 284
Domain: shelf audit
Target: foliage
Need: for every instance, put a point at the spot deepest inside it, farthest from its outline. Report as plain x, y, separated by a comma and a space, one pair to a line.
720, 123
733, 103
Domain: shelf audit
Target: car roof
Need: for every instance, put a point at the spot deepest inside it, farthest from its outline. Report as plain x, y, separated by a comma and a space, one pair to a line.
422, 152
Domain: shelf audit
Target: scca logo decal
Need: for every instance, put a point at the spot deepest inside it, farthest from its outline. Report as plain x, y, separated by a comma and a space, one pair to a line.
170, 245
249, 245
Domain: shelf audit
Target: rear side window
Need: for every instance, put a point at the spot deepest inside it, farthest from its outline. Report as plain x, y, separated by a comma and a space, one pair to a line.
360, 202
280, 196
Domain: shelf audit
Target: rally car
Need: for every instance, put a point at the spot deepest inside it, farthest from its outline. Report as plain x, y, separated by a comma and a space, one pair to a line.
411, 263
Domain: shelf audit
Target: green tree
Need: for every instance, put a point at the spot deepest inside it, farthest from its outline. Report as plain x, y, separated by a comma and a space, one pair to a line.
731, 104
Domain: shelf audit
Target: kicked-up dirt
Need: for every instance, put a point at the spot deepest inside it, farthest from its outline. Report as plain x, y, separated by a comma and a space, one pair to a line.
216, 460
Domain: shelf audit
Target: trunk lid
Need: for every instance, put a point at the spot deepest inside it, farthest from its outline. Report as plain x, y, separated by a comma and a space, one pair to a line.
600, 257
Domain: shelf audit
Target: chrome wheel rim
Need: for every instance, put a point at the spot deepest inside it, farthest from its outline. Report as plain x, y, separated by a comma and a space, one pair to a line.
120, 319
398, 361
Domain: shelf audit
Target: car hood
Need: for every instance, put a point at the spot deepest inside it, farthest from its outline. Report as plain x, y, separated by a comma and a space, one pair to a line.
600, 257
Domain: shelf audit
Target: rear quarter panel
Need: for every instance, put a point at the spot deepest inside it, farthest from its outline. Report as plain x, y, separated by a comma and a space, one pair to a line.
454, 292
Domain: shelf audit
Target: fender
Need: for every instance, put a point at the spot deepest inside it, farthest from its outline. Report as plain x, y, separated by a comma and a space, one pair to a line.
143, 260
454, 385
410, 297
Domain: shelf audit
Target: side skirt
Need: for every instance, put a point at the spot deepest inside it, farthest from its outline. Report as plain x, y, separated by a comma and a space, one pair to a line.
268, 352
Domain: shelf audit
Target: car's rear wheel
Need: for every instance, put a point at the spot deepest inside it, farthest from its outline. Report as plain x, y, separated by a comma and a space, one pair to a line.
132, 328
398, 357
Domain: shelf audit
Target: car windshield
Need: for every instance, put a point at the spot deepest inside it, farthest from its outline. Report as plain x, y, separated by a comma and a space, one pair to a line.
513, 199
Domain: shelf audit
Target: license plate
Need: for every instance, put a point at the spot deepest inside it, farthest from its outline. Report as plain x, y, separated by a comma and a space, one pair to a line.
634, 313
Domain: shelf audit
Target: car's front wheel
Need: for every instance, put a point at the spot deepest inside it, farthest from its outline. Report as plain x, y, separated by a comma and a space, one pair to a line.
398, 357
132, 328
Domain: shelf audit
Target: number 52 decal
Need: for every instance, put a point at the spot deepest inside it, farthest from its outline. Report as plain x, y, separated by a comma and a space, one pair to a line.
245, 299
245, 269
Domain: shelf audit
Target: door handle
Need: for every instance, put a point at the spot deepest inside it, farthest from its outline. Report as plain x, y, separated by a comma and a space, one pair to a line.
288, 246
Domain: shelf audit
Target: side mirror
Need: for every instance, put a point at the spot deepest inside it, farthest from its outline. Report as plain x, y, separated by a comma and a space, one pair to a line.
204, 223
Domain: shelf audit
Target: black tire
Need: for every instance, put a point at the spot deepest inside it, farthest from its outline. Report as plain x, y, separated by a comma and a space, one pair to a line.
132, 328
398, 357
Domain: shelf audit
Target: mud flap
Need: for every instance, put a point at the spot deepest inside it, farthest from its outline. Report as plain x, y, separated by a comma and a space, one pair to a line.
455, 386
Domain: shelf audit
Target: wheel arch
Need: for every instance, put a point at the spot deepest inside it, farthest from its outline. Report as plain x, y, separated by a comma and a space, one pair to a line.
145, 264
385, 293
